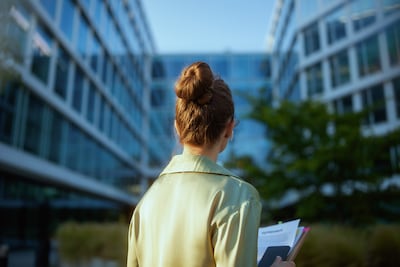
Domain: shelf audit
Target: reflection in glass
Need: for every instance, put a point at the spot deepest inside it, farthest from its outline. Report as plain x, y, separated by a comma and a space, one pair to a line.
393, 43
8, 108
90, 112
396, 89
16, 32
78, 90
94, 54
368, 56
81, 42
340, 70
73, 152
42, 50
344, 104
314, 79
336, 26
33, 127
311, 39
374, 98
62, 70
57, 136
391, 6
67, 18
50, 7
363, 13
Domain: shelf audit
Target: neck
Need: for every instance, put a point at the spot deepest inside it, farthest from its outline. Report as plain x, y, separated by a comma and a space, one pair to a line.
210, 152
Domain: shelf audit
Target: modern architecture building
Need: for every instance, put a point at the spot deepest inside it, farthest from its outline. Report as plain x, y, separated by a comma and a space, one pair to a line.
74, 113
245, 73
345, 53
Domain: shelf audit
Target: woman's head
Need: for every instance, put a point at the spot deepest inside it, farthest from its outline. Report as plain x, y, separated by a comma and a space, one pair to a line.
204, 105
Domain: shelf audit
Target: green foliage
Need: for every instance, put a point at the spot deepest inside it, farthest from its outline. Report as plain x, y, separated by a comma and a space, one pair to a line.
313, 148
81, 242
333, 246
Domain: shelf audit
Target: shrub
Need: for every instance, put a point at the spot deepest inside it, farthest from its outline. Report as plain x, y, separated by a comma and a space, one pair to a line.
79, 243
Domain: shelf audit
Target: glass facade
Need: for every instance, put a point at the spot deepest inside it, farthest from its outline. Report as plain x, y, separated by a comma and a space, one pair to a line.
368, 56
374, 99
314, 80
244, 74
311, 39
393, 42
349, 60
75, 123
336, 26
347, 56
340, 69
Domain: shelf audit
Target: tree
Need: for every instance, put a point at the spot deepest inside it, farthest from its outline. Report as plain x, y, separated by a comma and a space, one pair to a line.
324, 159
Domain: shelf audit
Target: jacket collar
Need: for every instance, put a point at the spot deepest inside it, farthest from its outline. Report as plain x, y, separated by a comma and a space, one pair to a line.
187, 162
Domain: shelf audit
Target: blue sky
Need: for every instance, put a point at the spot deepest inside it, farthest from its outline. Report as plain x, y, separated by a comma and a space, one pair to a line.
184, 26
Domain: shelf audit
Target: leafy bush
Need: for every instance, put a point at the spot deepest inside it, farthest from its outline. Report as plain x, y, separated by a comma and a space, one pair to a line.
338, 246
82, 242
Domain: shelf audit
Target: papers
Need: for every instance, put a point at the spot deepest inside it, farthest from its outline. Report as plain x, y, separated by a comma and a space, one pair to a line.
282, 234
287, 234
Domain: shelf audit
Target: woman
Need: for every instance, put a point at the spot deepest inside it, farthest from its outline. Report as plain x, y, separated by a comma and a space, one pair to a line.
197, 213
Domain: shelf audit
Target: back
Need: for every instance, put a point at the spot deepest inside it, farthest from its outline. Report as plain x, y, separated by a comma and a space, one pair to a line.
195, 214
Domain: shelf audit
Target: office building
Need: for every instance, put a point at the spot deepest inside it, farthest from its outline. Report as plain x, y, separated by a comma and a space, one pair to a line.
344, 53
245, 73
74, 113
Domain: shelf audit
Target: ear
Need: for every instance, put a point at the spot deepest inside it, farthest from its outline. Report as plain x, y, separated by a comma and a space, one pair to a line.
229, 129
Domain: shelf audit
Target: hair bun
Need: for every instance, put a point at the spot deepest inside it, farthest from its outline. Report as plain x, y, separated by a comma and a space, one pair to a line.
195, 83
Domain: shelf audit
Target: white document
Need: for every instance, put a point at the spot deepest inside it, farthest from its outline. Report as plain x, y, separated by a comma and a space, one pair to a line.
282, 234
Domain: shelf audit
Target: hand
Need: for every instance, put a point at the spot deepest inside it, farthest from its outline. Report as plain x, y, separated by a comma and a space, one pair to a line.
279, 263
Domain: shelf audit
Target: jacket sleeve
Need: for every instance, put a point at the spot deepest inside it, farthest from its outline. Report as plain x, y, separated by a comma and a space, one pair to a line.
132, 260
235, 237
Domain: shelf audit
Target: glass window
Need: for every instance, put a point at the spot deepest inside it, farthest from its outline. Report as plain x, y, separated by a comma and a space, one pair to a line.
314, 79
42, 50
50, 7
67, 18
363, 13
307, 8
336, 26
34, 121
57, 134
311, 39
81, 42
8, 108
344, 105
391, 6
373, 98
104, 72
85, 4
95, 54
393, 42
14, 39
78, 89
340, 70
73, 151
368, 56
96, 11
62, 70
396, 90
90, 112
239, 67
101, 114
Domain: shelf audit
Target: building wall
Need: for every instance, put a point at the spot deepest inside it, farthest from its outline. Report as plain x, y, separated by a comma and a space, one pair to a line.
345, 53
74, 110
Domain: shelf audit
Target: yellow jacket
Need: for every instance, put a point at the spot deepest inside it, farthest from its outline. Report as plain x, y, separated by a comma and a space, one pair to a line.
195, 214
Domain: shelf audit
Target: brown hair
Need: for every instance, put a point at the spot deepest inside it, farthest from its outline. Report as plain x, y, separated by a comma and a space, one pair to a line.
204, 105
